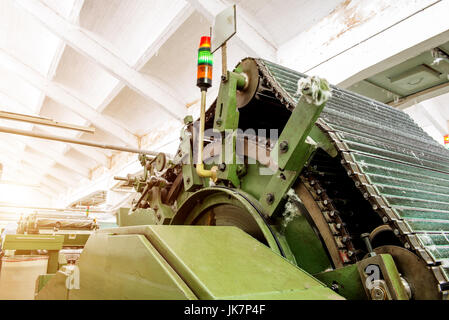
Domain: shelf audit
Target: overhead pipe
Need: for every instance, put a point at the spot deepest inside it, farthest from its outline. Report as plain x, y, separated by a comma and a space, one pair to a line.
43, 121
17, 206
75, 141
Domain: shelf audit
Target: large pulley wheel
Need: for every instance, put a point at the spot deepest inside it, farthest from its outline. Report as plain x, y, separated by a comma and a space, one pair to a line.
414, 270
230, 215
251, 72
226, 207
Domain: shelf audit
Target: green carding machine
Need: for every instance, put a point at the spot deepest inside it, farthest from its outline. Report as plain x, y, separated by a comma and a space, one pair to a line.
345, 198
285, 188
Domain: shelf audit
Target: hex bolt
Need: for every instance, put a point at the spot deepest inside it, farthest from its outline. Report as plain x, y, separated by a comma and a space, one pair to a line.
335, 287
378, 293
270, 198
283, 146
369, 247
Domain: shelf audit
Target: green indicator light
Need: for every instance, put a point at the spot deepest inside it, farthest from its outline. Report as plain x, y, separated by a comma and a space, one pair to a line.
205, 57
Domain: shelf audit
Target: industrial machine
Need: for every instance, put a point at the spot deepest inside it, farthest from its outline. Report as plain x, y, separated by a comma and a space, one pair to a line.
59, 238
285, 188
73, 229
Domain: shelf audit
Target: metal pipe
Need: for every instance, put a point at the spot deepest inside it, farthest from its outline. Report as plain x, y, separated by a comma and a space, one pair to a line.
43, 121
75, 141
7, 205
122, 178
224, 61
199, 165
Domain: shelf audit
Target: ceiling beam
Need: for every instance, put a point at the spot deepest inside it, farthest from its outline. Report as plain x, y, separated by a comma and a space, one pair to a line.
81, 41
421, 96
46, 191
42, 188
251, 35
34, 162
430, 111
54, 183
74, 15
168, 28
96, 155
62, 160
92, 153
13, 104
66, 99
28, 170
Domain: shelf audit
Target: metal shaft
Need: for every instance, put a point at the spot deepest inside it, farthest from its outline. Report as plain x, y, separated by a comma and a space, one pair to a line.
75, 141
43, 121
8, 205
224, 60
202, 124
369, 247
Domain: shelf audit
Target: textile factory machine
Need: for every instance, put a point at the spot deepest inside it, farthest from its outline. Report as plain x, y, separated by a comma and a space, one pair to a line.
350, 200
61, 237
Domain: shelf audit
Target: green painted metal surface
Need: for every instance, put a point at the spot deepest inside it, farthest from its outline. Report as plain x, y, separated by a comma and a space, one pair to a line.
126, 267
292, 152
394, 277
215, 265
161, 266
346, 280
55, 288
32, 242
42, 280
407, 78
75, 239
407, 169
226, 120
27, 243
136, 218
306, 246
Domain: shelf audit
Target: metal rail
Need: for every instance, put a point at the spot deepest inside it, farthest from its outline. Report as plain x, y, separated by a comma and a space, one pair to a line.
43, 121
75, 141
